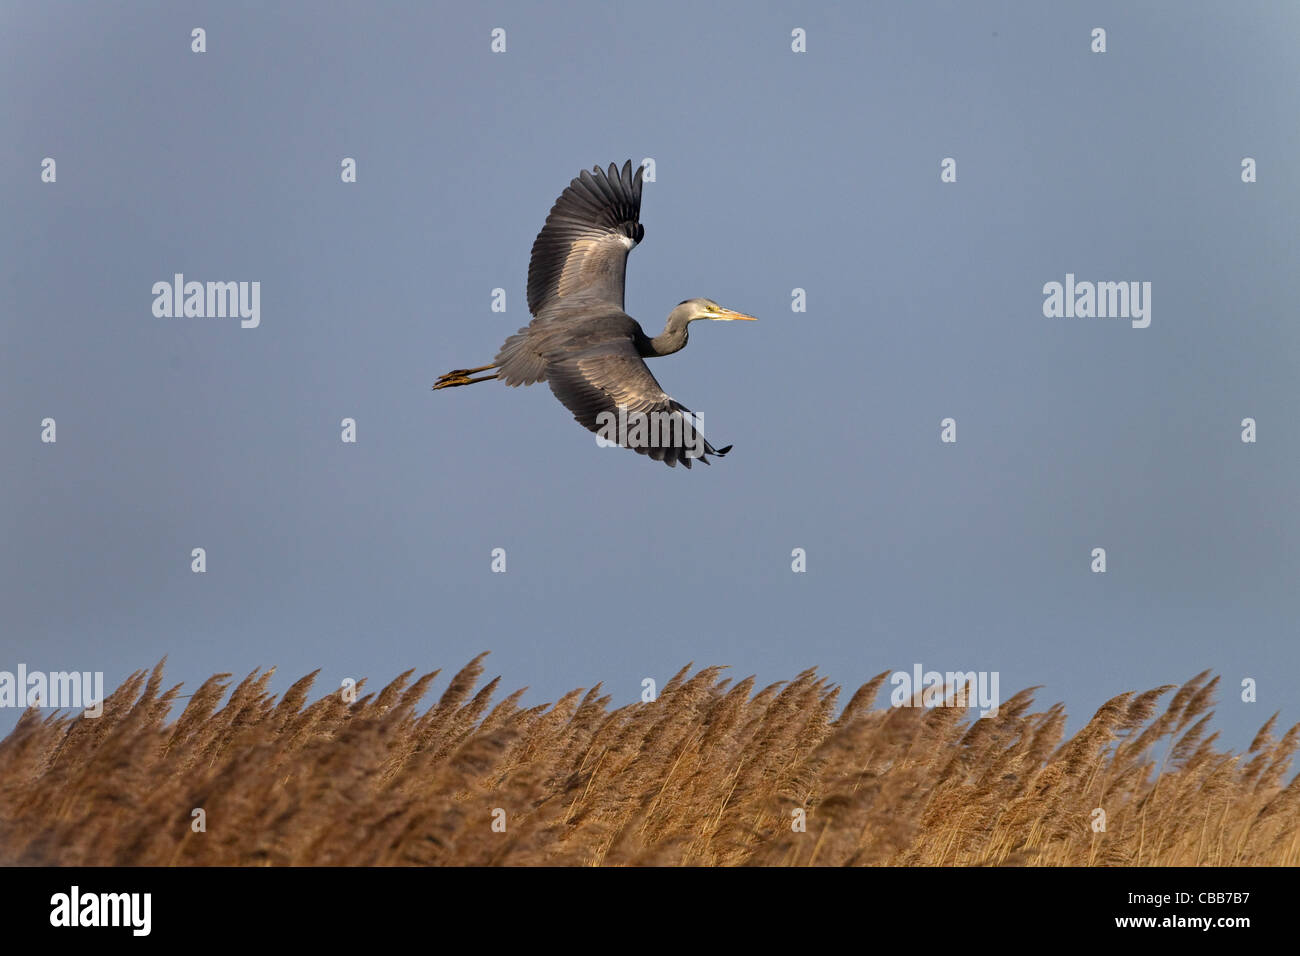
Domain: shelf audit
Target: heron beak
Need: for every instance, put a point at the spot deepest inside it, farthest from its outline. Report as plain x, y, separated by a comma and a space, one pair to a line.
726, 315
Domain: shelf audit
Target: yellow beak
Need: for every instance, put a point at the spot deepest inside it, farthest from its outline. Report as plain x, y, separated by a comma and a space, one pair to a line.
726, 315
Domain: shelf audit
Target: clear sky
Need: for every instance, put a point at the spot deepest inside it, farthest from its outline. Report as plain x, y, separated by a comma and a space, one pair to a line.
775, 170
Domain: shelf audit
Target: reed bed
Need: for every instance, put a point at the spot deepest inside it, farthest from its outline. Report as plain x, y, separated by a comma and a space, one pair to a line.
710, 773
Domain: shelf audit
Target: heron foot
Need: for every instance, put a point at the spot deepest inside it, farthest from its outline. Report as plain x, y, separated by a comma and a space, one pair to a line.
458, 377
461, 376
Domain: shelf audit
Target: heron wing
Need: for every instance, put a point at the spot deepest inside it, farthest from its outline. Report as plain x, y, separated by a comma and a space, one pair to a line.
583, 247
595, 382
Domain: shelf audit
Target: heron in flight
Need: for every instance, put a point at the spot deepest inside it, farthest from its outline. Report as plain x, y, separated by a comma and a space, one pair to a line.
581, 342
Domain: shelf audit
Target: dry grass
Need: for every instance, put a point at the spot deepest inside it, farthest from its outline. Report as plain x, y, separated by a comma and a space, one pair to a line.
707, 774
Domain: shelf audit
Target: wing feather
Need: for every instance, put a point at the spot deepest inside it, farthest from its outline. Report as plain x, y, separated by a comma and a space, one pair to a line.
595, 382
582, 249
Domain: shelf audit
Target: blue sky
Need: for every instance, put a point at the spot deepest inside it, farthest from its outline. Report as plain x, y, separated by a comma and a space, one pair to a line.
774, 171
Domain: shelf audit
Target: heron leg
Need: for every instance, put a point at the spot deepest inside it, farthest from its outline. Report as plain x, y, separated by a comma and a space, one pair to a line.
461, 376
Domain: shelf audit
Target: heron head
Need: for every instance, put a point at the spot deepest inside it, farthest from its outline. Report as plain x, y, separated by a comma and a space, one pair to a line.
696, 309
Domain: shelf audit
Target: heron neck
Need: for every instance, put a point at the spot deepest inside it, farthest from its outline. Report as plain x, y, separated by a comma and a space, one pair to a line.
673, 338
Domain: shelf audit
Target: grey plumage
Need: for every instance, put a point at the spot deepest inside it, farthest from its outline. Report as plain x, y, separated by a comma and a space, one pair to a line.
580, 342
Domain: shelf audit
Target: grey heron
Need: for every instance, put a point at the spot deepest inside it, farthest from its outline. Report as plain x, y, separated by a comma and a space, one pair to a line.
580, 341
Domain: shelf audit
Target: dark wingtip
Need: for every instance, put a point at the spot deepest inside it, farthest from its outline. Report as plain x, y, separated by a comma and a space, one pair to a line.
704, 458
635, 182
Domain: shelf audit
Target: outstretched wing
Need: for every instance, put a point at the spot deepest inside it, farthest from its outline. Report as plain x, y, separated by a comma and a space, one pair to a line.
597, 382
583, 247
